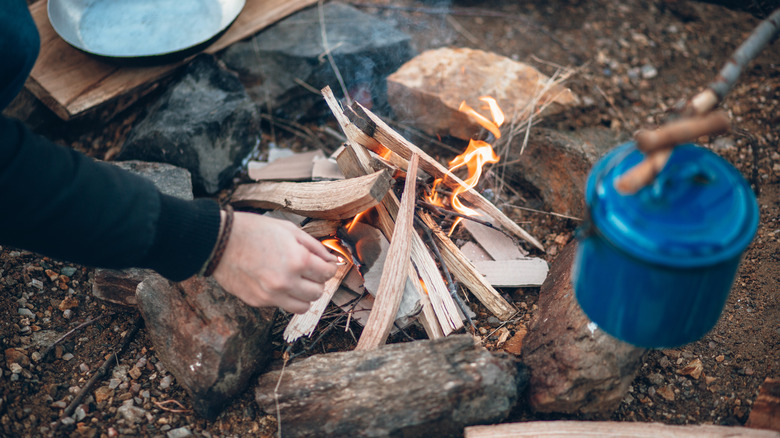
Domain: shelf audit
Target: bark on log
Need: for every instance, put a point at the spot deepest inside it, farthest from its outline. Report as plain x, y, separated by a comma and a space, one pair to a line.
417, 389
607, 429
334, 200
209, 340
766, 409
118, 286
575, 366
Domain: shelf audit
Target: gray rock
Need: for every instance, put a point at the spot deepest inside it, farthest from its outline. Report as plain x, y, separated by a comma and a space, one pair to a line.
131, 414
205, 122
169, 179
209, 340
182, 432
26, 312
364, 48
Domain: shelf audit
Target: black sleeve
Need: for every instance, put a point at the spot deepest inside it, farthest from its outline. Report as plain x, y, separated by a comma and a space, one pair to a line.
61, 203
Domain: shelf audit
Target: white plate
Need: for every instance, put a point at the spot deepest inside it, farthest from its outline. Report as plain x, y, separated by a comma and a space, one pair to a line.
141, 28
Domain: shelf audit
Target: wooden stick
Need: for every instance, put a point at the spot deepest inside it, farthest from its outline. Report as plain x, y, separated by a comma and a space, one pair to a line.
321, 228
376, 128
394, 273
103, 370
682, 131
305, 323
566, 429
466, 273
643, 173
334, 200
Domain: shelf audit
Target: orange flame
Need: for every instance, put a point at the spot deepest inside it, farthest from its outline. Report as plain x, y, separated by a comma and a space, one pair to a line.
355, 220
477, 154
335, 245
424, 287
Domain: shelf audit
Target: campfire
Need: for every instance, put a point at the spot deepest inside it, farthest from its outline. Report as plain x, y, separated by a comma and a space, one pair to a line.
396, 249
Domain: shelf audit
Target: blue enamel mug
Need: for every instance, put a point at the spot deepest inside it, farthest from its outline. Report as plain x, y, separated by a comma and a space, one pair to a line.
655, 268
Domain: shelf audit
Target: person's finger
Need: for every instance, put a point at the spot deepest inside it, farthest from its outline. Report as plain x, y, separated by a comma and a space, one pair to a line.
306, 290
316, 247
318, 270
292, 304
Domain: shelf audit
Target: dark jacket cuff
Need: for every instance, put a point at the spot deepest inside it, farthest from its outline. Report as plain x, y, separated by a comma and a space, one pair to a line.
193, 225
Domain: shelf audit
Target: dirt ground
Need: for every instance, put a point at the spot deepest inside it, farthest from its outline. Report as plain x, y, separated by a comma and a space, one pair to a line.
635, 59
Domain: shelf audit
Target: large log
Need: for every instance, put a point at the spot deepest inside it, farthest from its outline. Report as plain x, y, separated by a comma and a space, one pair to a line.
414, 389
209, 340
766, 409
575, 366
334, 200
611, 429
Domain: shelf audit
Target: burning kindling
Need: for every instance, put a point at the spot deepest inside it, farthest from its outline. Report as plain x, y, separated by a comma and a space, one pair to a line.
395, 249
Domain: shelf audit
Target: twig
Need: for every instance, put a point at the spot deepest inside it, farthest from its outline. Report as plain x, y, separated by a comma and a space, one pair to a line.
103, 370
327, 49
451, 285
276, 398
73, 330
293, 128
544, 212
162, 406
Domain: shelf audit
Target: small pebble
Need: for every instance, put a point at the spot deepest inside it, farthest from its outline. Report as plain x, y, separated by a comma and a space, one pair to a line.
26, 312
15, 368
67, 356
182, 432
67, 314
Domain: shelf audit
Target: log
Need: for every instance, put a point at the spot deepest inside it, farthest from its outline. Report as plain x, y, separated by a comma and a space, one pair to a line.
303, 324
575, 366
334, 200
413, 389
374, 127
211, 341
568, 429
118, 286
765, 413
465, 272
529, 272
394, 272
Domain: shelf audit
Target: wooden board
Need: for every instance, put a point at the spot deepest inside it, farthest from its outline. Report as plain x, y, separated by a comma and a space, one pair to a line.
567, 429
71, 82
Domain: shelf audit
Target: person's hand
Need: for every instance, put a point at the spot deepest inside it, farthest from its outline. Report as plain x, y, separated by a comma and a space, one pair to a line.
271, 262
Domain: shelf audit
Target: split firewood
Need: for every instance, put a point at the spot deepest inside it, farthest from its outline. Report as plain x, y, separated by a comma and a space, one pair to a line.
304, 324
465, 272
321, 228
373, 248
376, 128
354, 161
362, 130
335, 200
765, 413
497, 244
391, 285
412, 389
528, 272
614, 429
326, 169
297, 167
